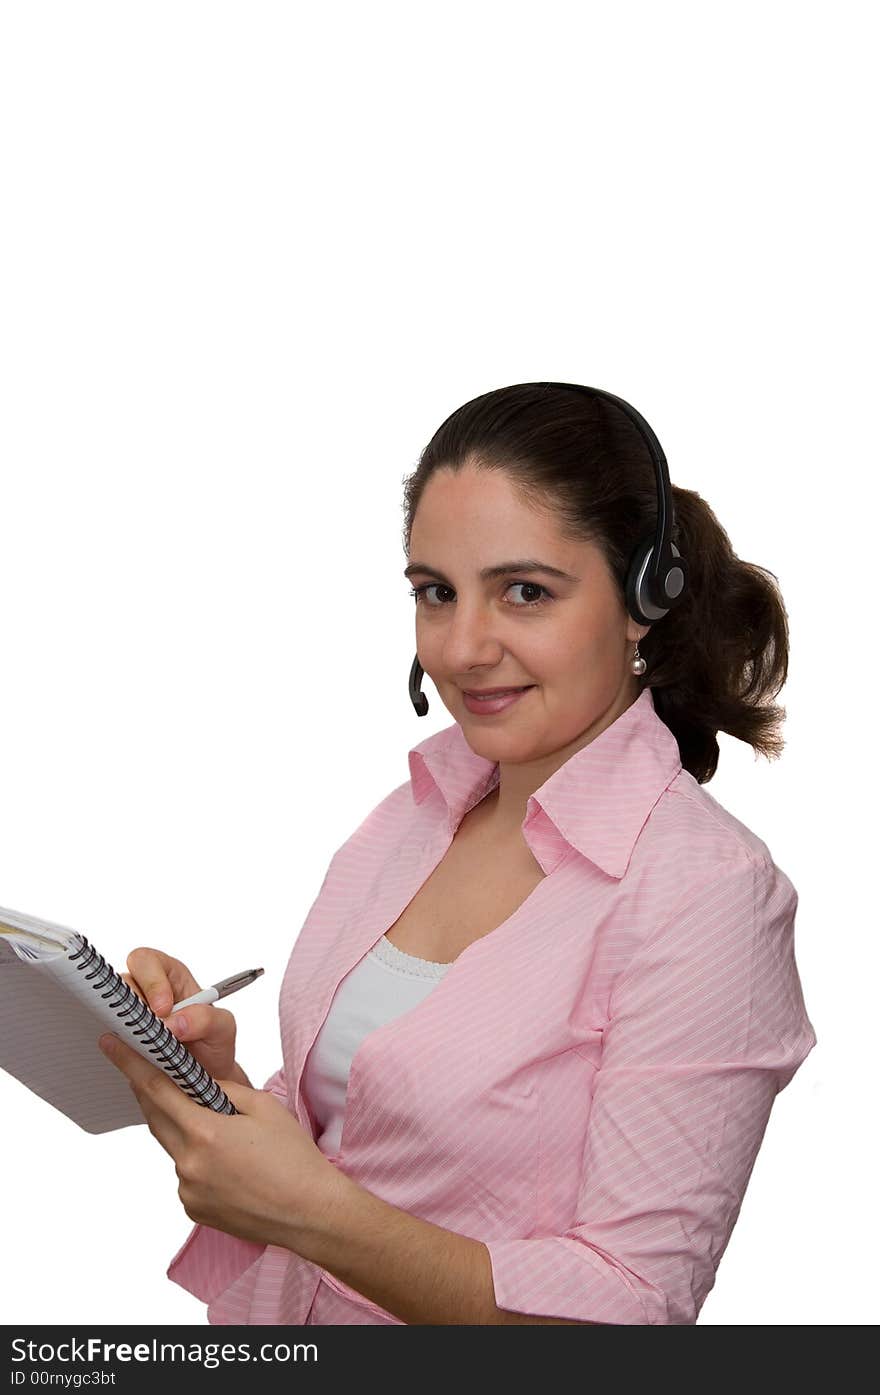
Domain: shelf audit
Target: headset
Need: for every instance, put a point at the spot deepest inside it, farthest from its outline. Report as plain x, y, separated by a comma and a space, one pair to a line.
658, 574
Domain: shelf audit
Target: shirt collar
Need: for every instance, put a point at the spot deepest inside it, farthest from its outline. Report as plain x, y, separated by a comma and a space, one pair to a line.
596, 803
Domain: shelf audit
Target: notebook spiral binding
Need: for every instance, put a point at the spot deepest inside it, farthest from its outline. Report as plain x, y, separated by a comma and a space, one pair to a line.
171, 1054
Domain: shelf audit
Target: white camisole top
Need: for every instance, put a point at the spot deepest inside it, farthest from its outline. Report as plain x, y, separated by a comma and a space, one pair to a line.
383, 984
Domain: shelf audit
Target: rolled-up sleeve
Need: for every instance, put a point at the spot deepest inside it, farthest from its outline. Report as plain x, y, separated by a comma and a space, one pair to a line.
706, 1025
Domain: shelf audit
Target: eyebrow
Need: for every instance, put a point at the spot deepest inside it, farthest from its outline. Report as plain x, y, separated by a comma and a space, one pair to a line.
490, 573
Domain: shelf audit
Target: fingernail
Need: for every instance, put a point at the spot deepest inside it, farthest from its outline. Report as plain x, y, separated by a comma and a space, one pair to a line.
178, 1022
107, 1044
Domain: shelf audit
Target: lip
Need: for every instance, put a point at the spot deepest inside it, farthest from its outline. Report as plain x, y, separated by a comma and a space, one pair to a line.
487, 692
488, 706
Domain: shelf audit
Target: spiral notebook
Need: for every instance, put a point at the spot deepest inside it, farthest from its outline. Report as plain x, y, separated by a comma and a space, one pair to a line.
57, 996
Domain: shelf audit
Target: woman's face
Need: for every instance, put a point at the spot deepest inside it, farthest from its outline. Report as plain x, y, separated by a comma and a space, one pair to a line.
570, 637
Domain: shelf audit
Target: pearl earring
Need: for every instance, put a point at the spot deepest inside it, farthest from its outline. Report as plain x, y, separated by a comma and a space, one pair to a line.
638, 663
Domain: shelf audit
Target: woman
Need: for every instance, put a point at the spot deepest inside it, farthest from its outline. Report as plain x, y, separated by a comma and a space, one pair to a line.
535, 1021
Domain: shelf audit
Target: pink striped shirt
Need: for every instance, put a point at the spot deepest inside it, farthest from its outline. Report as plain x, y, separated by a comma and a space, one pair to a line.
587, 1087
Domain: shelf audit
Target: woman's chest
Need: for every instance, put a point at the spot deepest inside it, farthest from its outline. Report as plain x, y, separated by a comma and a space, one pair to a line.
474, 888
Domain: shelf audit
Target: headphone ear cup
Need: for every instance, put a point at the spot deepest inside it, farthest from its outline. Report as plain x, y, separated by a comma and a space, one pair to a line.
638, 602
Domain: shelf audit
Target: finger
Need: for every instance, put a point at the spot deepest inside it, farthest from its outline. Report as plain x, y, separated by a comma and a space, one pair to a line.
151, 981
134, 986
163, 980
203, 1022
152, 1086
246, 1099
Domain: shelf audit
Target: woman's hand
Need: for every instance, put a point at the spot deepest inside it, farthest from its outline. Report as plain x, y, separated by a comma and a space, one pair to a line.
256, 1174
207, 1031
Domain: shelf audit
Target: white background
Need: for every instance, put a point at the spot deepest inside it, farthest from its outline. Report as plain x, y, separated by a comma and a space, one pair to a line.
253, 256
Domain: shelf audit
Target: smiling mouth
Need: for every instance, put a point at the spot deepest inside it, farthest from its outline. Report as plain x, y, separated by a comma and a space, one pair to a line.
495, 692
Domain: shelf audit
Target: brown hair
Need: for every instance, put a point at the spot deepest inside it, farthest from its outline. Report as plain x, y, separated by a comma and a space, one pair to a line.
716, 659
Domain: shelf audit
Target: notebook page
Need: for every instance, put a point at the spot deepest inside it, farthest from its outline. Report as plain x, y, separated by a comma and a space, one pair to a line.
49, 1041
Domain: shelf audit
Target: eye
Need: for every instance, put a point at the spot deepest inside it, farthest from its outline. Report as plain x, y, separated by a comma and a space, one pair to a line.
419, 591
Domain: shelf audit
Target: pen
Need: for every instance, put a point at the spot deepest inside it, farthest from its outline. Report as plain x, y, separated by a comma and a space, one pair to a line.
219, 990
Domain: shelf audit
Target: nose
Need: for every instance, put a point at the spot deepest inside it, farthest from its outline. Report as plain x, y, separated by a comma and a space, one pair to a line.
471, 639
